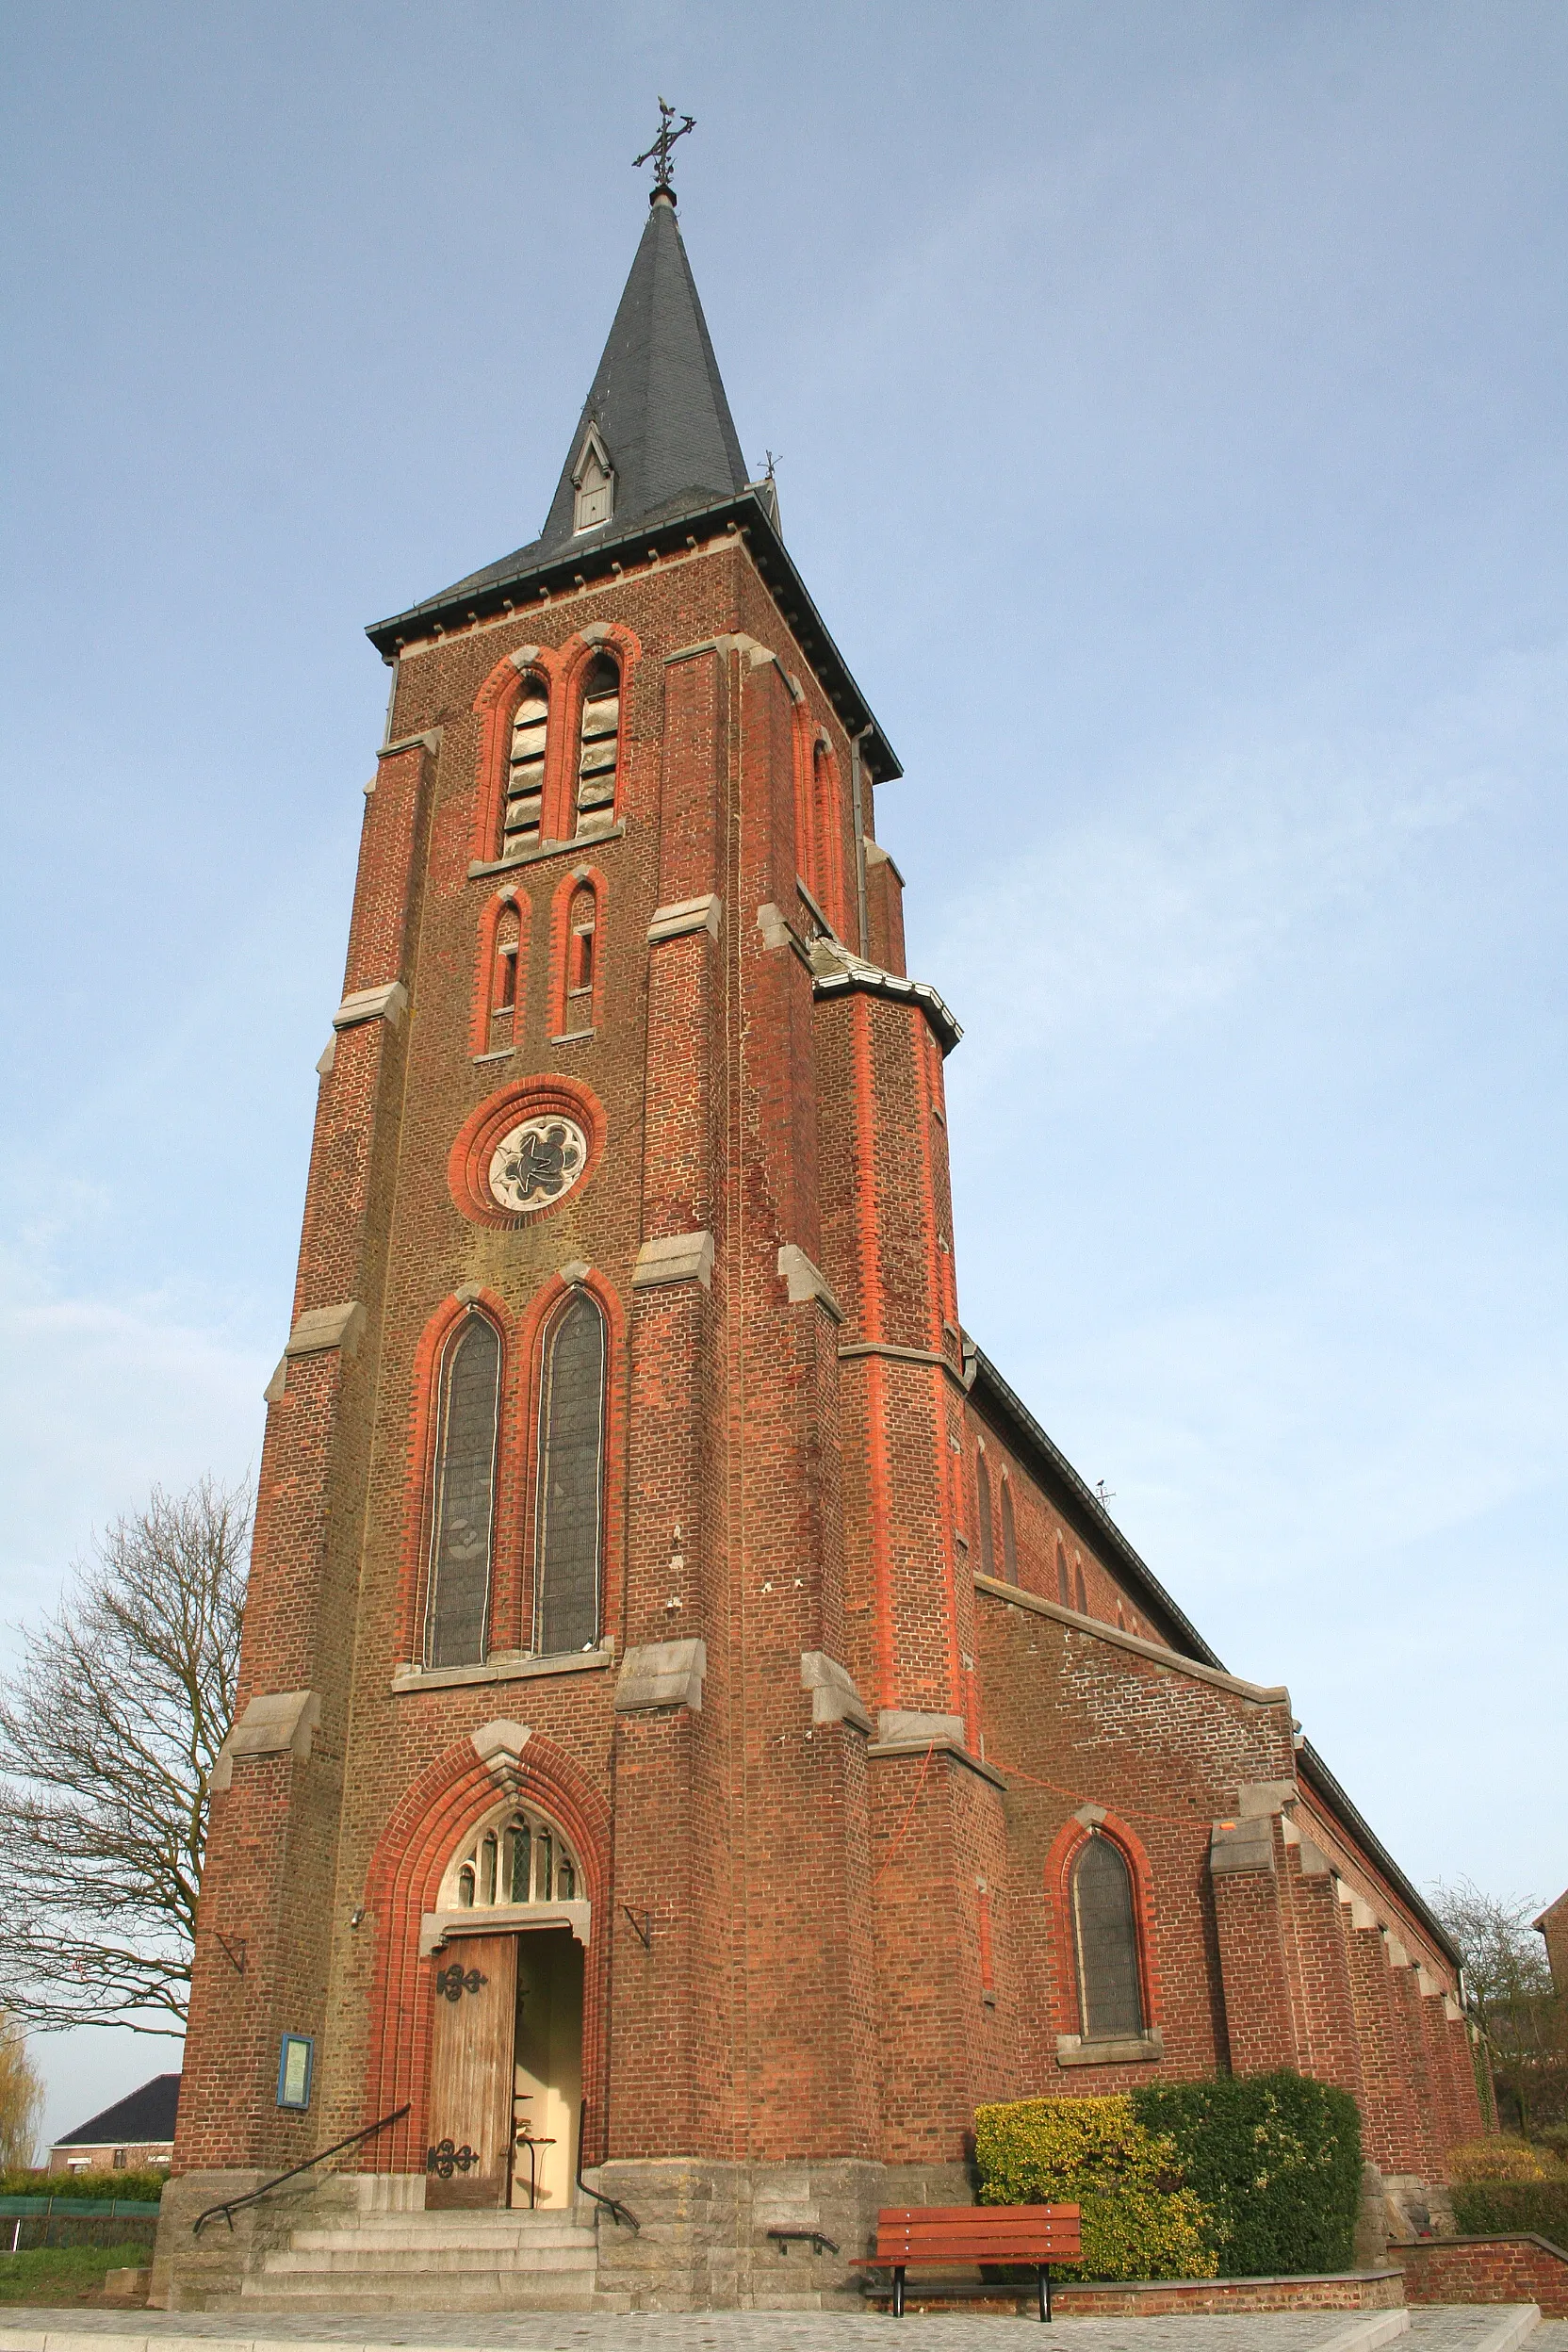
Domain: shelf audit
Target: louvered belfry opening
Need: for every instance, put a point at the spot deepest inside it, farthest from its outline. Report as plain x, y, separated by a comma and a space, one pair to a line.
600, 745
571, 1482
1105, 1932
458, 1605
525, 773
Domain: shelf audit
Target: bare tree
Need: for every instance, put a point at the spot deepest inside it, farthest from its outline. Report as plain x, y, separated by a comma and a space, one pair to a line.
1513, 2000
21, 2098
108, 1731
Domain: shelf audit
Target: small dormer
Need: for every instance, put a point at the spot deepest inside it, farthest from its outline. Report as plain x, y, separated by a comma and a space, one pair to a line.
593, 482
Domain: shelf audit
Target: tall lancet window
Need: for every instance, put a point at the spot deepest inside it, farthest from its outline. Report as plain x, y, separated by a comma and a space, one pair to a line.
594, 485
525, 767
1009, 1532
571, 1480
983, 1517
1105, 1932
462, 1524
601, 747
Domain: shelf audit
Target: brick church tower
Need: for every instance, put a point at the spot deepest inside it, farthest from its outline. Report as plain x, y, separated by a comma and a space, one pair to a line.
698, 1734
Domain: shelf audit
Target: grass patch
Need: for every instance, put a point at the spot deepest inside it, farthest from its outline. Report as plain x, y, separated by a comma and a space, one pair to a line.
63, 2274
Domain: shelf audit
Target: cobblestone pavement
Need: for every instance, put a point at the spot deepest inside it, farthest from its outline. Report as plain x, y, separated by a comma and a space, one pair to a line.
1443, 2329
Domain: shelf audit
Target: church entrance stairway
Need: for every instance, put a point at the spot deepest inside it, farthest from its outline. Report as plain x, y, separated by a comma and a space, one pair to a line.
446, 2262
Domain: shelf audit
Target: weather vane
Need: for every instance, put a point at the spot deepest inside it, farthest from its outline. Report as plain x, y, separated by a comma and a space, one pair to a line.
659, 153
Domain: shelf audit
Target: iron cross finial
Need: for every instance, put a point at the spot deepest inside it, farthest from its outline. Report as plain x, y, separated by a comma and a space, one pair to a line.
659, 153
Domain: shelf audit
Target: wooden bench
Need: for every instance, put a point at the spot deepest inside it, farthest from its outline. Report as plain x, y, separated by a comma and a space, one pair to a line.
937, 2237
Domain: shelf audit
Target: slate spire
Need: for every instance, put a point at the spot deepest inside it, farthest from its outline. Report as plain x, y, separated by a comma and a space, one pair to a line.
656, 404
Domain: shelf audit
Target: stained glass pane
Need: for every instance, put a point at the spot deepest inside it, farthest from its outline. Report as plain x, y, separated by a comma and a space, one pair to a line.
464, 1499
1108, 1942
521, 1845
571, 1482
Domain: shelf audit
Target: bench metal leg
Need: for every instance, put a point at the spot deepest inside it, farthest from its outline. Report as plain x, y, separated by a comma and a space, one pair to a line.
898, 2290
1045, 2290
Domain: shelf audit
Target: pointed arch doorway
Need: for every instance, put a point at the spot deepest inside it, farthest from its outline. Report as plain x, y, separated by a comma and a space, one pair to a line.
505, 1954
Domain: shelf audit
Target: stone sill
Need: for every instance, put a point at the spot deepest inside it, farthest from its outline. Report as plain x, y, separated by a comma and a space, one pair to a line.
499, 1670
476, 867
1123, 2049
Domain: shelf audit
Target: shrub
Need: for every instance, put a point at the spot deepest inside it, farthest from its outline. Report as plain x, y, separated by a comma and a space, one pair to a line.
1275, 2160
138, 2188
1140, 2221
1502, 2157
1485, 2209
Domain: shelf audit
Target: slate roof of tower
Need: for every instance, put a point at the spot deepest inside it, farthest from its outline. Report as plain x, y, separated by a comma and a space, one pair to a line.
658, 399
659, 407
146, 2115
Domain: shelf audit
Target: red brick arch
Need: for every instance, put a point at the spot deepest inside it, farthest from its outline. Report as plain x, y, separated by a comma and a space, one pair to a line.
582, 877
514, 901
448, 1800
494, 702
1066, 1847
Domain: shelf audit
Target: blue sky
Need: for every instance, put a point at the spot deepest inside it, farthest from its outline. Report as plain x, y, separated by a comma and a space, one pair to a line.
1171, 406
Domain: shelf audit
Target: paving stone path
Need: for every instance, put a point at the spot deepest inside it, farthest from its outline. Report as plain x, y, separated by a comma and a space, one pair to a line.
1472, 2327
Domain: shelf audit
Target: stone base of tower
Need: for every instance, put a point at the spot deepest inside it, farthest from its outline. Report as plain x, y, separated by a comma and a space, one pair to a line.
704, 2241
363, 2243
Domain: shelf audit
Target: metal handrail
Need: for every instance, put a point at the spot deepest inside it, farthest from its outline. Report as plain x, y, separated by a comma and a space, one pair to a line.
618, 2213
231, 2205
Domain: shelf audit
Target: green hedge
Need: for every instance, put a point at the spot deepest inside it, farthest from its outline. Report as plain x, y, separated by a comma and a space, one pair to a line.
139, 2188
1275, 2160
1139, 2221
1484, 2208
1248, 2176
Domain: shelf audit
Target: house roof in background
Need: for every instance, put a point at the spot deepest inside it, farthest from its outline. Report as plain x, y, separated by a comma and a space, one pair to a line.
146, 2115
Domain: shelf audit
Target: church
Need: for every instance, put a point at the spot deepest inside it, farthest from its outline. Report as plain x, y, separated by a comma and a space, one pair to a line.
698, 1737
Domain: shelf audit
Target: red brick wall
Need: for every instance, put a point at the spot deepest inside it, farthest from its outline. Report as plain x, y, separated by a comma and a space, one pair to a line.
1486, 2270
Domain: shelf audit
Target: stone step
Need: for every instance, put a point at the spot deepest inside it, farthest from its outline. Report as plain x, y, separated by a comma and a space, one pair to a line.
476, 2291
457, 2236
428, 2260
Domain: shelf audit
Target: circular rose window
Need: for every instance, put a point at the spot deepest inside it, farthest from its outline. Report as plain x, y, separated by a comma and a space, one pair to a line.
536, 1162
520, 1152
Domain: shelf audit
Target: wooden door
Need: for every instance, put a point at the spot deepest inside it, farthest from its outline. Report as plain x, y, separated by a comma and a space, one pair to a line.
473, 1988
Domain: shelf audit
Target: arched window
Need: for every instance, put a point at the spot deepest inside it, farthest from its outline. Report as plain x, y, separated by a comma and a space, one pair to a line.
827, 860
1083, 1590
519, 1857
1105, 1932
1009, 1532
983, 1513
571, 1480
601, 745
506, 986
457, 1606
525, 767
582, 920
1064, 1588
